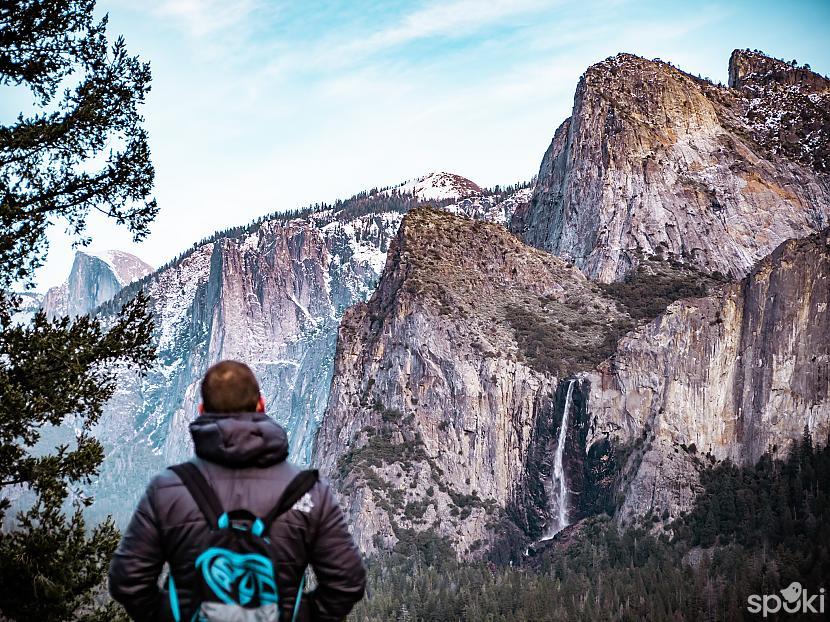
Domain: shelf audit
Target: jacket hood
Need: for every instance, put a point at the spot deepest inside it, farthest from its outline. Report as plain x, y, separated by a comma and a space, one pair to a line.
239, 440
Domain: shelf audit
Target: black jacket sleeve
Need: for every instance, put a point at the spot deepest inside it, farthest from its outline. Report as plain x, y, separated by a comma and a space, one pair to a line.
338, 567
137, 564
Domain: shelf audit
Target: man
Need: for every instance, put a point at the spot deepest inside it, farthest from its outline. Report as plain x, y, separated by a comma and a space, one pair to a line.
242, 454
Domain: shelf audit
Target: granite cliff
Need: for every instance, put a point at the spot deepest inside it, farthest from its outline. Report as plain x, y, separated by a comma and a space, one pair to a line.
728, 376
455, 380
656, 162
443, 376
452, 382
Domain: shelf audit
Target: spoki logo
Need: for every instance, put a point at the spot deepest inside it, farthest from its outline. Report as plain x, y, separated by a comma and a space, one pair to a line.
793, 599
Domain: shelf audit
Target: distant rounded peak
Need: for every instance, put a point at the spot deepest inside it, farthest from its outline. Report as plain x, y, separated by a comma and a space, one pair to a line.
125, 266
753, 68
439, 186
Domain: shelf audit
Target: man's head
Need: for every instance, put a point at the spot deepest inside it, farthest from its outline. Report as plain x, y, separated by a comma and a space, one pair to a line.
230, 387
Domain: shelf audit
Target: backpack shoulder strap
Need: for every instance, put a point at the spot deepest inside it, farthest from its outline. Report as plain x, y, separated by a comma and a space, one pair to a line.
200, 490
301, 484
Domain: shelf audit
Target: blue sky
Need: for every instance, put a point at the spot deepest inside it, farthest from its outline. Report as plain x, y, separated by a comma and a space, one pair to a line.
260, 106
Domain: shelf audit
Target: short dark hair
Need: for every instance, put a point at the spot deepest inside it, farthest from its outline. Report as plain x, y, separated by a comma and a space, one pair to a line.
230, 387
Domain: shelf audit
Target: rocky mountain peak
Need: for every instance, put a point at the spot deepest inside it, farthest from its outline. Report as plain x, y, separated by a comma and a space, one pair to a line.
756, 69
651, 93
655, 162
625, 66
95, 278
625, 71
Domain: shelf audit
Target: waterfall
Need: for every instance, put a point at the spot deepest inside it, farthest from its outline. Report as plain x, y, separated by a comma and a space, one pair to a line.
558, 493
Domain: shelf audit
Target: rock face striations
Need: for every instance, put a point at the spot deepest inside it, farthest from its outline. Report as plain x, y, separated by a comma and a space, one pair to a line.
271, 295
656, 162
451, 385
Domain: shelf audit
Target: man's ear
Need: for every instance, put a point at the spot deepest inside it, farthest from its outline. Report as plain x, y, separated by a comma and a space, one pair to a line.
201, 408
260, 405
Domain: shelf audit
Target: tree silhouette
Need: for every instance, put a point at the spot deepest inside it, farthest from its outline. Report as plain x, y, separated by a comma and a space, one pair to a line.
84, 149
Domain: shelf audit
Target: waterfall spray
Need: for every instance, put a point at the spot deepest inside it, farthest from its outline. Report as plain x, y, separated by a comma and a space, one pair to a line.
559, 486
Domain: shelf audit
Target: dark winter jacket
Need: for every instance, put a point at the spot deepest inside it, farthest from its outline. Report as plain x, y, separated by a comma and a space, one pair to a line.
243, 456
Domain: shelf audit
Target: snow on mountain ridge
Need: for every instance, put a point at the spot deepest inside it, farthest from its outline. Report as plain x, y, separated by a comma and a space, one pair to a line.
271, 296
439, 186
125, 266
492, 208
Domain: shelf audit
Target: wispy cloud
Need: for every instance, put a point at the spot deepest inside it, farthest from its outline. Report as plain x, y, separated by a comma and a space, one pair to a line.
344, 48
450, 19
204, 17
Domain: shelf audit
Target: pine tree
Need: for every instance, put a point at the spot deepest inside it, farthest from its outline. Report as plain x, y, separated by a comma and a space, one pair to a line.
403, 614
48, 162
60, 373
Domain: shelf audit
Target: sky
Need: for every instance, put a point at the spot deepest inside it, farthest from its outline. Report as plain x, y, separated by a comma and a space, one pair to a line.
260, 106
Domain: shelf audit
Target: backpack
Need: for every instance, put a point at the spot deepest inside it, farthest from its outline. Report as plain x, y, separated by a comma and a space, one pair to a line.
236, 581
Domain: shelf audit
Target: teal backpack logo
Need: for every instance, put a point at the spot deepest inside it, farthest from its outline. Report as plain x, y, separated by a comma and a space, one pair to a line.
237, 581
